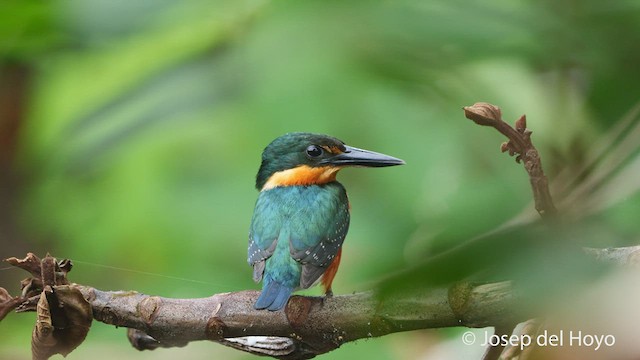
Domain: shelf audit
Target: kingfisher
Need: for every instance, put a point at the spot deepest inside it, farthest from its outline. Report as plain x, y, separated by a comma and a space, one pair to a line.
301, 216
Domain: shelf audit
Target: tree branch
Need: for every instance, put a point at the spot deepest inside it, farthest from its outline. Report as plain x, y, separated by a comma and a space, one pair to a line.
308, 326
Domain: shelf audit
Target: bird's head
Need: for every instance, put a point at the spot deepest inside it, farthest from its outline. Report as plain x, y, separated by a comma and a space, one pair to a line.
307, 159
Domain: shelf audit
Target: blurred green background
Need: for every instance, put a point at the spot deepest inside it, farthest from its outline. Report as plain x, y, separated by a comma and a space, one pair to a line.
131, 132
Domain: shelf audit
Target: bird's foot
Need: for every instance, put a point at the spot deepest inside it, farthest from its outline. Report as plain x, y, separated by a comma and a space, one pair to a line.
328, 294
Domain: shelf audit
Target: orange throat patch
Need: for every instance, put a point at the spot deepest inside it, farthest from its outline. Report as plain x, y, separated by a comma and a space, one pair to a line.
302, 175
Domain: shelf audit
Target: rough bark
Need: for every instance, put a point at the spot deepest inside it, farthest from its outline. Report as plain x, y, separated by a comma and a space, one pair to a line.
308, 326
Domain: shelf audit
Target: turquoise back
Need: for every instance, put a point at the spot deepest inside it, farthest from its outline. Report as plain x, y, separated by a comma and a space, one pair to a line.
296, 231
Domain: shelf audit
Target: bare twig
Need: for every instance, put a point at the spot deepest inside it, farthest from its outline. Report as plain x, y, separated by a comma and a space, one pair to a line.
519, 144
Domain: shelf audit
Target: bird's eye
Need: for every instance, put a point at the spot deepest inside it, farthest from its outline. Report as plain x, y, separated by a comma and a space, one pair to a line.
314, 151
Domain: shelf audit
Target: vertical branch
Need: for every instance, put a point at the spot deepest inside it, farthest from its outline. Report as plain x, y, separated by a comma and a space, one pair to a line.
519, 144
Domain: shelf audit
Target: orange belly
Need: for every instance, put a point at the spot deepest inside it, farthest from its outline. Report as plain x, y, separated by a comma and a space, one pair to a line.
330, 273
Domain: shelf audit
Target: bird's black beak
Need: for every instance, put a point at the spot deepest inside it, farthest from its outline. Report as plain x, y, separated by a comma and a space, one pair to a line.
358, 157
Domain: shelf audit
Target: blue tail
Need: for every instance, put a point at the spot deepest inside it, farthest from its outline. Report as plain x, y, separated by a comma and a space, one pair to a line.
274, 296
